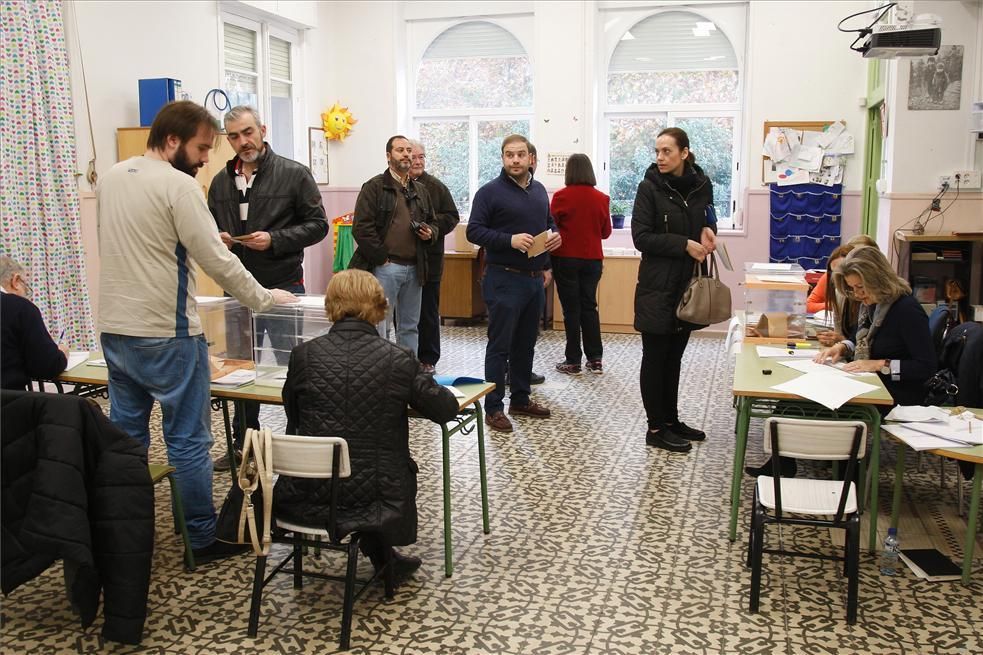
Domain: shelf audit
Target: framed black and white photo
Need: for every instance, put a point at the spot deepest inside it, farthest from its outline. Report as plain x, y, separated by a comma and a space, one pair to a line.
935, 81
318, 152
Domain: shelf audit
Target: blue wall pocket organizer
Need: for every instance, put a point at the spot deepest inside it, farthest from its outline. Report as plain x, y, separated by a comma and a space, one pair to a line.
805, 223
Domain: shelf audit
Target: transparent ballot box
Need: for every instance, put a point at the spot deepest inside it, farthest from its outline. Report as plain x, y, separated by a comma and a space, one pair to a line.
228, 329
775, 312
278, 330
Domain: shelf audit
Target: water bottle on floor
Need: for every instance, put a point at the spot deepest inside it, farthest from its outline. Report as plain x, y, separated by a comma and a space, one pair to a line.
889, 556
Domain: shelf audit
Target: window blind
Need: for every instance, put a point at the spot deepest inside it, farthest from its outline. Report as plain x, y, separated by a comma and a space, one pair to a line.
240, 48
674, 40
474, 39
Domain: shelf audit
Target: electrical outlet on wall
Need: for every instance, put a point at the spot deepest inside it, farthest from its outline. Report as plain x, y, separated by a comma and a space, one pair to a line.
967, 179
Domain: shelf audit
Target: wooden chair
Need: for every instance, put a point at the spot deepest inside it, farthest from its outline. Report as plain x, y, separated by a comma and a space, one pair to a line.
819, 503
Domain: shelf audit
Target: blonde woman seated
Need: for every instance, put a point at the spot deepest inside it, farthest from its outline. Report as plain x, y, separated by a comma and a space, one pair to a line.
351, 383
892, 337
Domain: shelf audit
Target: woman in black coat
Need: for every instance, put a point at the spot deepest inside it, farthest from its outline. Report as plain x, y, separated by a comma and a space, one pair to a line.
670, 227
353, 384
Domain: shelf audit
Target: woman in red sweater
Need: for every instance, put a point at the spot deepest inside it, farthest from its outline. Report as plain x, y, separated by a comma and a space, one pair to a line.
582, 214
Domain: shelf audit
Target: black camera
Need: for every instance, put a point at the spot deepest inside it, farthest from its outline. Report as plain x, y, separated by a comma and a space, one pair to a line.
415, 225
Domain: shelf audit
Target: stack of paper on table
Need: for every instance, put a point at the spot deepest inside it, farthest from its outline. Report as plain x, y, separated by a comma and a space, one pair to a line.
76, 357
921, 434
809, 366
827, 389
775, 351
236, 378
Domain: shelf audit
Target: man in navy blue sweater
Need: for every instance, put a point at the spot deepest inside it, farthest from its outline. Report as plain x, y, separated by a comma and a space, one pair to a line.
506, 215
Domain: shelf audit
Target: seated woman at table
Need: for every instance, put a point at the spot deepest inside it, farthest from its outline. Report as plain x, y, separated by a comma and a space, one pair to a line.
27, 351
891, 339
842, 311
353, 384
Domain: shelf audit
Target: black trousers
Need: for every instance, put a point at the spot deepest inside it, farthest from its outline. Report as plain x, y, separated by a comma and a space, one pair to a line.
662, 358
428, 350
576, 285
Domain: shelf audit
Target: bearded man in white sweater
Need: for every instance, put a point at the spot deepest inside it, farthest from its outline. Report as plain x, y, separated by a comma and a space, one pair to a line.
153, 226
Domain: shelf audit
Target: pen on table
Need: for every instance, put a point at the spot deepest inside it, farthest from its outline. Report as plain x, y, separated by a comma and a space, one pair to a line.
800, 344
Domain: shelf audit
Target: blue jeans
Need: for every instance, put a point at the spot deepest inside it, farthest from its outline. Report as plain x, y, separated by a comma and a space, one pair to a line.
404, 293
174, 372
515, 304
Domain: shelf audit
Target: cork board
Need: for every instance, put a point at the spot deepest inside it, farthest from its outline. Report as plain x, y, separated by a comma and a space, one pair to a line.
805, 126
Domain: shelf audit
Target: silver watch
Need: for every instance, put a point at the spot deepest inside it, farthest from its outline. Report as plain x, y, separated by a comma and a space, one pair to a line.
886, 369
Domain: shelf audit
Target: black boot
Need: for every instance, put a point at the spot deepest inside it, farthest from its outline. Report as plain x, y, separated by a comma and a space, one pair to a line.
787, 465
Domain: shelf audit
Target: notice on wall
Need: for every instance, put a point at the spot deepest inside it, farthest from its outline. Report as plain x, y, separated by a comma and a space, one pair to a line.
556, 163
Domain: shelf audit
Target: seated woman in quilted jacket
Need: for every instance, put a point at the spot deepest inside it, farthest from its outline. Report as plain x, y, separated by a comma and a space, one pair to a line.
351, 383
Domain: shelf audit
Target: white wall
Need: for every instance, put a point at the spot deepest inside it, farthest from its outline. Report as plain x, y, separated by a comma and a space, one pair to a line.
123, 42
924, 144
801, 69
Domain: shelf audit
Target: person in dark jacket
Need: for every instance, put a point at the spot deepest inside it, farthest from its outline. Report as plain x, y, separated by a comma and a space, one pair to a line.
583, 217
268, 209
394, 227
77, 488
27, 351
670, 228
352, 383
892, 337
445, 211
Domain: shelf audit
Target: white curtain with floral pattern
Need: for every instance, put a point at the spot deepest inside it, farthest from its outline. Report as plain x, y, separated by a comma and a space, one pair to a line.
39, 198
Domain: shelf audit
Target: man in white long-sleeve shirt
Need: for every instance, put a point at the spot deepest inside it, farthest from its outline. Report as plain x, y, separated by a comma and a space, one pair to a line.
153, 225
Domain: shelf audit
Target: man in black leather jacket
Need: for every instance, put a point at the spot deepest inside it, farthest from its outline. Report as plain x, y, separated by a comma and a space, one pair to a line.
268, 209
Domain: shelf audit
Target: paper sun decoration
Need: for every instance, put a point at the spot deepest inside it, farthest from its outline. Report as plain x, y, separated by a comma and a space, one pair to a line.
337, 122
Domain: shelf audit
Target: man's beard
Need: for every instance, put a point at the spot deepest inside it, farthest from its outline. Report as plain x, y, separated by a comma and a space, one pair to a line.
249, 156
183, 164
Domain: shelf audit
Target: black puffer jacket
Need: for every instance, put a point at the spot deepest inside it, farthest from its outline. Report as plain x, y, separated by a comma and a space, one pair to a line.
284, 200
662, 222
76, 487
351, 383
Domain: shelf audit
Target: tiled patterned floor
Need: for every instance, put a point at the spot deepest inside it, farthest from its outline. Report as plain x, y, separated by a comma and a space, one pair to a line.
598, 545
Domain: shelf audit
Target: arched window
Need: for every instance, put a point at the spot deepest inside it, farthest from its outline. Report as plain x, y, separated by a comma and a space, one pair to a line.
674, 68
473, 88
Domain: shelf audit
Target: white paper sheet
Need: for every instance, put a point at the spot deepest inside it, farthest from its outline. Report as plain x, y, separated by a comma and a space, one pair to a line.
918, 414
957, 431
792, 176
918, 440
809, 158
771, 267
832, 391
843, 145
776, 145
775, 351
454, 390
830, 133
809, 366
205, 300
781, 279
812, 139
76, 357
236, 378
98, 362
316, 302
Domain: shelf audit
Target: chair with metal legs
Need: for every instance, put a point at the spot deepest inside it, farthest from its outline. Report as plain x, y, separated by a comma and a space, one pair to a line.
319, 458
819, 503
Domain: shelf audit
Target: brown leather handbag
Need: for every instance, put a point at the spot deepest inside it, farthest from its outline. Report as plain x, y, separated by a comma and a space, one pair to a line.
706, 300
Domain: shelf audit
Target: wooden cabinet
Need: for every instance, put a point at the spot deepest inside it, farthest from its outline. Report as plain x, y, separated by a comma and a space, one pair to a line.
460, 286
132, 141
928, 262
615, 296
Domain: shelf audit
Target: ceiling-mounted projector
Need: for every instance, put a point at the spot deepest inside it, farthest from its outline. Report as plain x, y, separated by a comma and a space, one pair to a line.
921, 36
